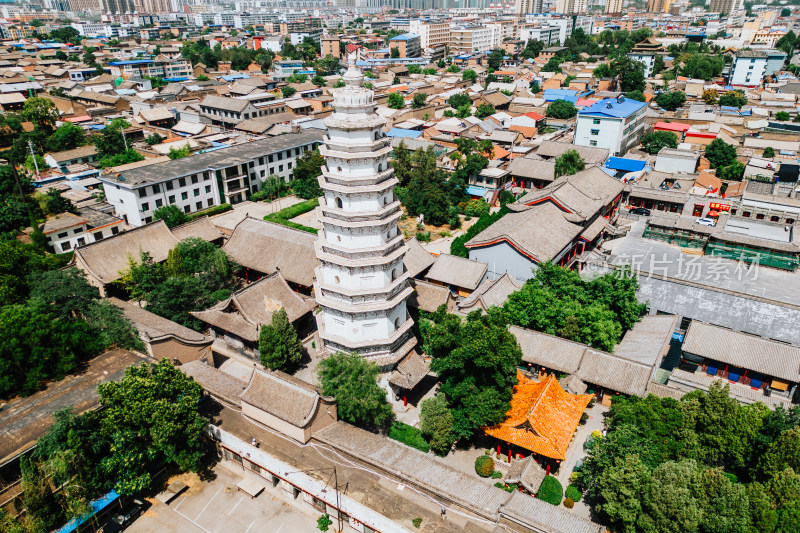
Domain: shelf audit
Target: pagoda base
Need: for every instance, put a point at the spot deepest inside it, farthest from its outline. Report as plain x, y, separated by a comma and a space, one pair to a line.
386, 354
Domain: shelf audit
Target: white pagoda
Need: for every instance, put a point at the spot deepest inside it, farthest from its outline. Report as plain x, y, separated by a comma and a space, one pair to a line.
361, 284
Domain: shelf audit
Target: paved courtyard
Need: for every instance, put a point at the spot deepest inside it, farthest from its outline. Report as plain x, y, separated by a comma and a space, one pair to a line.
660, 258
218, 507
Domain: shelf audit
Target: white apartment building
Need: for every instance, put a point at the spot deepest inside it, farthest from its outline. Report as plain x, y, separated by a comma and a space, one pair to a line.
205, 180
564, 24
750, 67
614, 124
523, 7
465, 40
431, 33
546, 34
91, 29
67, 231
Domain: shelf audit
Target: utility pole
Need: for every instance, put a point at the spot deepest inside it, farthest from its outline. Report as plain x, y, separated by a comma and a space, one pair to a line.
336, 488
124, 140
33, 156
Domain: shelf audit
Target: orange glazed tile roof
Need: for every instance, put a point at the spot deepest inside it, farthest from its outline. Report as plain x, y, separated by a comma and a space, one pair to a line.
542, 418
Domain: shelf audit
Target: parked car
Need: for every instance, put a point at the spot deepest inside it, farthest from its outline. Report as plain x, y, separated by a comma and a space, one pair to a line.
640, 211
706, 221
125, 518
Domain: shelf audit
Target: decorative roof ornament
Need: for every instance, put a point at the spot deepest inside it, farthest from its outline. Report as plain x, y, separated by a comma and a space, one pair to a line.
353, 77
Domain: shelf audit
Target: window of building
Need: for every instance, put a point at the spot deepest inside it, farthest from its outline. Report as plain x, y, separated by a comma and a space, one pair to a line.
145, 206
270, 158
199, 205
280, 168
63, 235
261, 160
759, 216
159, 203
148, 220
98, 235
592, 143
208, 188
774, 218
171, 199
184, 195
210, 202
197, 192
746, 214
114, 230
66, 246
168, 185
186, 209
596, 121
263, 173
195, 179
142, 192
181, 182
595, 132
156, 188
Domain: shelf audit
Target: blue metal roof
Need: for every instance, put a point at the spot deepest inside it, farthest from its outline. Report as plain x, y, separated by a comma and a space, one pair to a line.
611, 107
132, 62
179, 78
231, 77
97, 506
406, 134
405, 37
627, 165
550, 95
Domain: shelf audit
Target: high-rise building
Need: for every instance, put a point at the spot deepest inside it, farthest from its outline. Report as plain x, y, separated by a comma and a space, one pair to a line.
522, 7
658, 6
361, 284
613, 6
725, 6
431, 33
572, 7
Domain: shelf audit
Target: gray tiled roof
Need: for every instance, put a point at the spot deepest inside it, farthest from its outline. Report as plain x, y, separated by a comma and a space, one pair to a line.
490, 293
615, 373
646, 341
541, 231
153, 327
590, 155
743, 350
458, 271
282, 396
538, 515
428, 296
417, 259
267, 247
217, 383
549, 351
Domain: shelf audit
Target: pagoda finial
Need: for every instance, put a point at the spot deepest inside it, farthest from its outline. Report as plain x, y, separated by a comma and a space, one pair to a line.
353, 77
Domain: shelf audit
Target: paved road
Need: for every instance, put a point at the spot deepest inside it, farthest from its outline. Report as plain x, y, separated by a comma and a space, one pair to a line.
24, 420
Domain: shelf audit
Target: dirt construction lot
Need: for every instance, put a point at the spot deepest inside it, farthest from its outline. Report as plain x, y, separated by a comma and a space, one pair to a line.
218, 507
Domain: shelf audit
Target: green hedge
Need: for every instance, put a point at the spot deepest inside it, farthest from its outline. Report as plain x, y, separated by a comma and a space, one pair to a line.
458, 248
573, 493
484, 466
551, 491
409, 436
283, 216
211, 211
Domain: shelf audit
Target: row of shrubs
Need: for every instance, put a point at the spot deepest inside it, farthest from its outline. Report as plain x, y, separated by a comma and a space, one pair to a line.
211, 211
283, 216
550, 490
458, 248
409, 436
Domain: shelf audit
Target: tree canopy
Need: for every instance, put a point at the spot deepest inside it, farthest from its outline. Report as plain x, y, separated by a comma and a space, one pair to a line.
304, 175
352, 381
395, 101
653, 142
671, 100
558, 302
733, 99
569, 163
720, 154
476, 362
278, 344
561, 109
702, 463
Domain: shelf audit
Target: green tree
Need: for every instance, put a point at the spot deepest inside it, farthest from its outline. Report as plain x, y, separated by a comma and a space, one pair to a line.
476, 363
786, 12
38, 499
495, 59
769, 152
453, 69
152, 418
671, 503
304, 176
783, 453
469, 75
394, 52
351, 380
402, 165
395, 101
561, 109
671, 100
734, 171
66, 137
179, 153
122, 158
621, 490
551, 491
41, 112
171, 214
720, 154
733, 99
653, 142
484, 110
414, 69
782, 116
153, 138
319, 81
436, 423
287, 91
278, 344
420, 100
635, 95
111, 141
176, 297
458, 100
552, 65
569, 163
